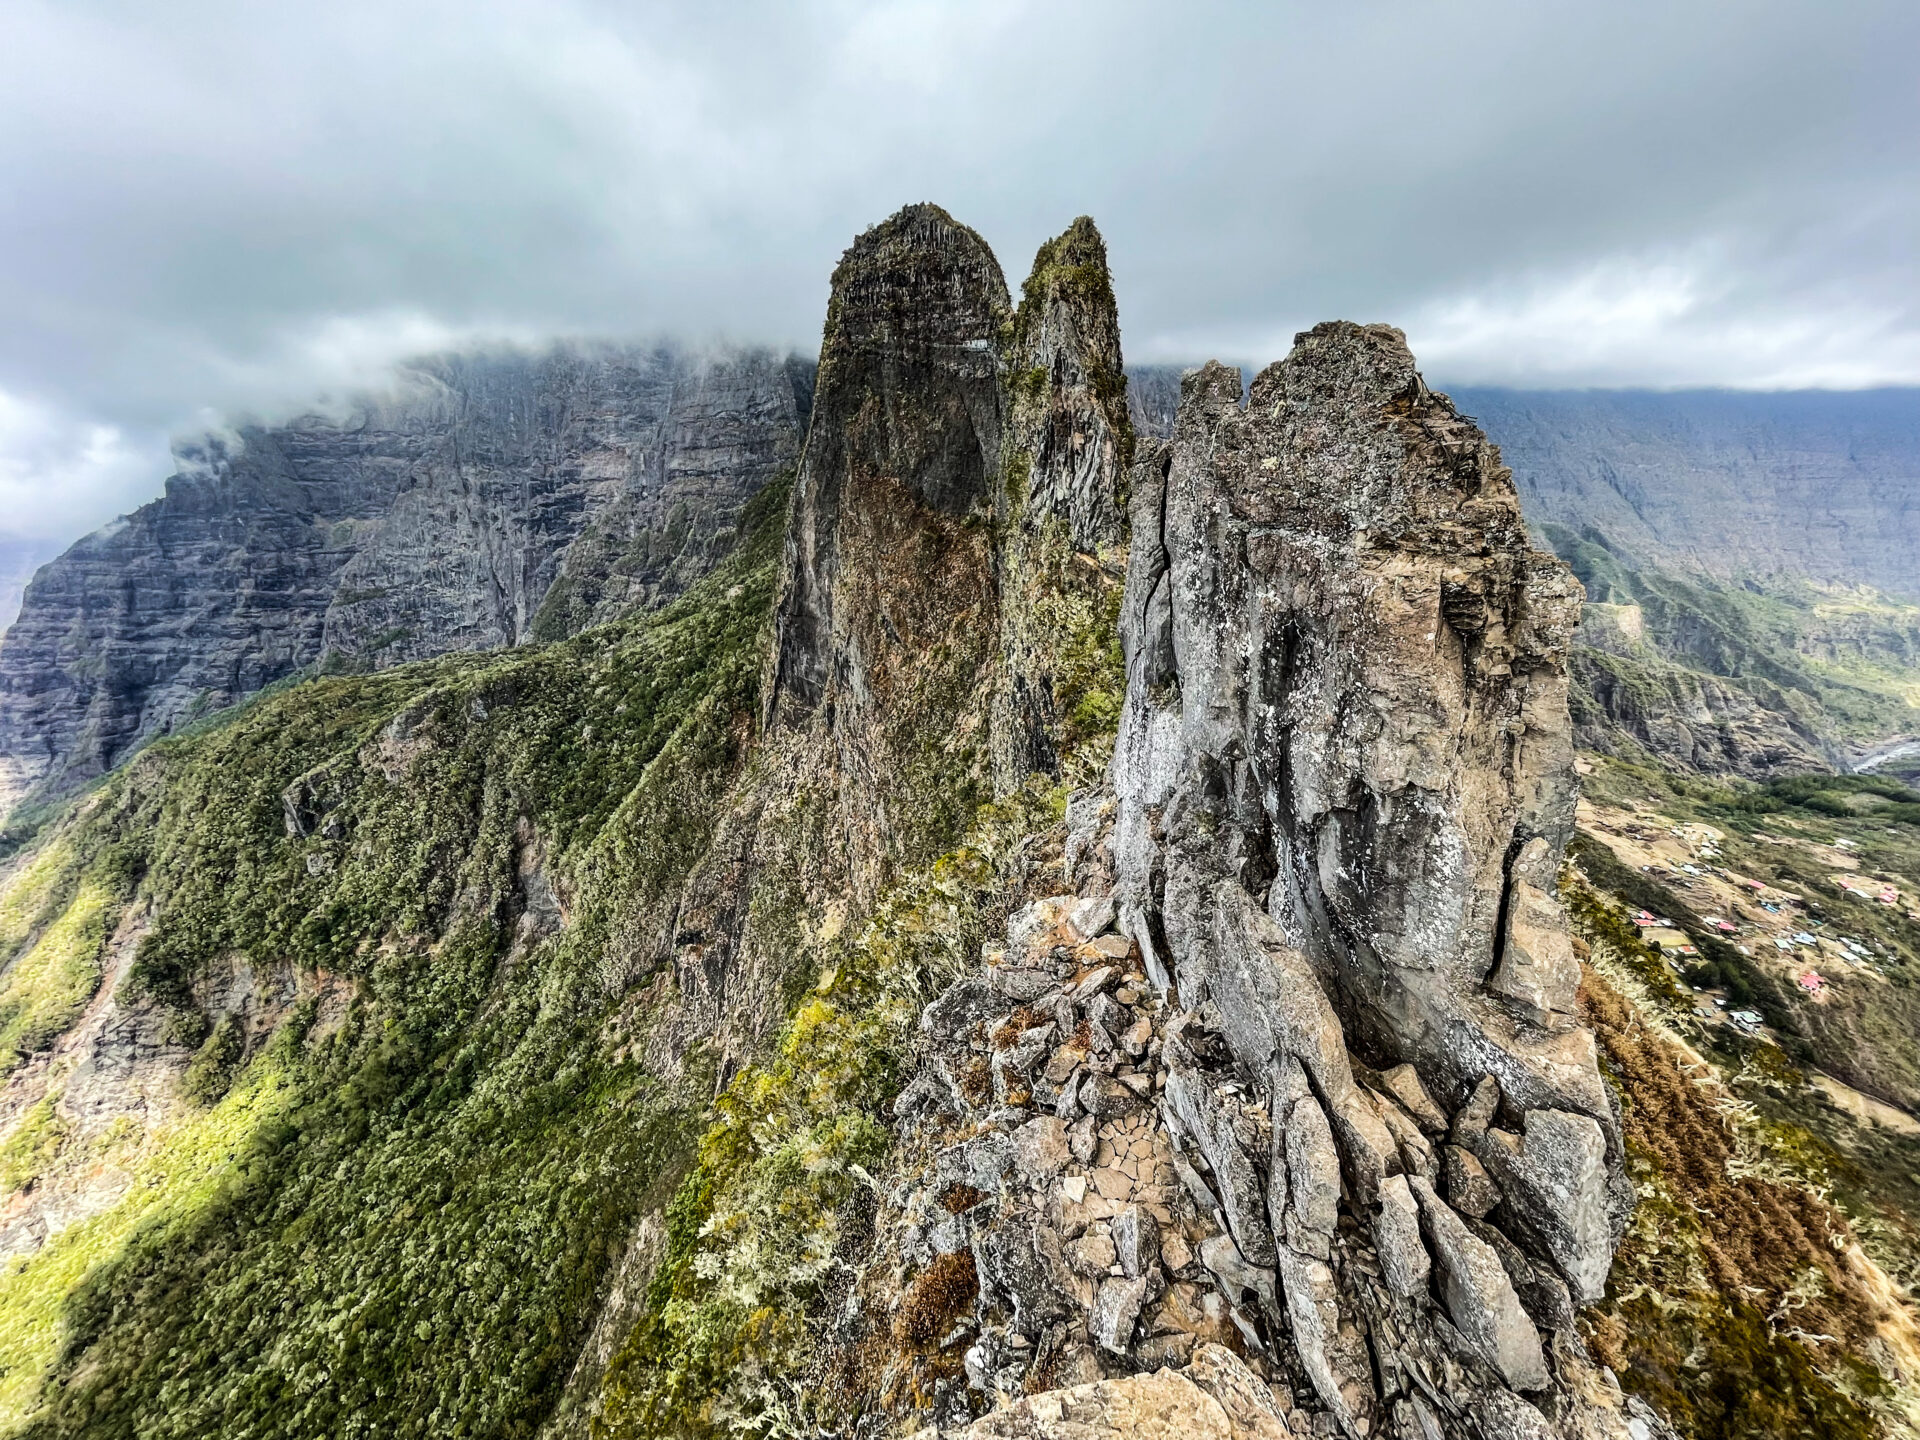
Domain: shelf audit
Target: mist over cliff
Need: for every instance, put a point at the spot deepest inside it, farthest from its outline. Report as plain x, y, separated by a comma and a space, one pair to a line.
484, 499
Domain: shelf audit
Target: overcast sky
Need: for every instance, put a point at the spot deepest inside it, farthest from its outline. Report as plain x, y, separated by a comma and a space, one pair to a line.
211, 208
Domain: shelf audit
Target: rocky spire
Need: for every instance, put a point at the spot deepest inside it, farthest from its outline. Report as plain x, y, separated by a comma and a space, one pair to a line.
1069, 442
932, 615
1348, 696
1344, 783
1344, 1116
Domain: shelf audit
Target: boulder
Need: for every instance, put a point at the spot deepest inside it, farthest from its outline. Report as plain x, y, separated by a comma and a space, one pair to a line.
1396, 1236
1479, 1296
1555, 1180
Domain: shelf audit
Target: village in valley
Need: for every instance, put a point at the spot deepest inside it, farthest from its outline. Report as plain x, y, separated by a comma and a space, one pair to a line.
1732, 881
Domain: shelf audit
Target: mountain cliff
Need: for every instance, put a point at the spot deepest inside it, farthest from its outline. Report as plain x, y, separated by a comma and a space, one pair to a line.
486, 499
1810, 485
1750, 560
1054, 934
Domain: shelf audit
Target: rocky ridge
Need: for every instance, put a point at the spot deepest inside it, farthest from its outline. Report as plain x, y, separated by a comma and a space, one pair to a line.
1106, 975
488, 499
1299, 1069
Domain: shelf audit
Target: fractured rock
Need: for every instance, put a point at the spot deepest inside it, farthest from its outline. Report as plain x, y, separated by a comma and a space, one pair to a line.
1093, 1254
1105, 1096
1555, 1179
1404, 1082
1201, 1118
1040, 1149
1137, 1239
1010, 1264
1479, 1296
1161, 1406
1307, 1161
1396, 1236
1091, 917
1254, 1410
1116, 1307
1465, 1182
1221, 1256
1537, 970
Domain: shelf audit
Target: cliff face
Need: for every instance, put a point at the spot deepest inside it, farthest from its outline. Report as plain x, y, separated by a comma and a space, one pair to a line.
1812, 484
1758, 553
438, 518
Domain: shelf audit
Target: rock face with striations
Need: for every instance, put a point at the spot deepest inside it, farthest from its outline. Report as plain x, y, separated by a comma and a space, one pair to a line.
956, 520
1299, 1069
489, 499
1816, 484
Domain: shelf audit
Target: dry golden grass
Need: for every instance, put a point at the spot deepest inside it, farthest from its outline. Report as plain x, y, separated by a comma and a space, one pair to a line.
1738, 1302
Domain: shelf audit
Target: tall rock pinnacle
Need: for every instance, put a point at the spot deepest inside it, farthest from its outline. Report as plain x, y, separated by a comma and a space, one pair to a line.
1345, 1116
961, 454
1345, 780
1069, 443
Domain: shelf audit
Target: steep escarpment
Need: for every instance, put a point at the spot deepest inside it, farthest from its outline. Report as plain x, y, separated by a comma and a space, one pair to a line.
1752, 680
1814, 485
1751, 558
443, 516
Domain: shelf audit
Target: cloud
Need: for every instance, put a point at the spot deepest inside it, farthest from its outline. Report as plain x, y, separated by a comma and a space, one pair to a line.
57, 472
218, 206
1662, 321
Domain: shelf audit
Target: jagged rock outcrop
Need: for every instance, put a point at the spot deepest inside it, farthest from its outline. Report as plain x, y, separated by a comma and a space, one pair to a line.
888, 606
488, 499
1325, 1097
959, 490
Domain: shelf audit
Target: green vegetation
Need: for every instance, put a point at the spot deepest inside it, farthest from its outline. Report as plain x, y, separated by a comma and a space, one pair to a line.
32, 1147
1830, 660
1844, 797
392, 1215
1732, 1260
47, 986
754, 1228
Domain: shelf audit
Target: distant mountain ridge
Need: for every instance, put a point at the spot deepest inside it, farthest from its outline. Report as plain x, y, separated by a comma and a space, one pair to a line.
445, 515
504, 496
1817, 485
1751, 564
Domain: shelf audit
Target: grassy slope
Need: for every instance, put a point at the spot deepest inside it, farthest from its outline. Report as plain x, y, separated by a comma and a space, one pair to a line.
397, 1228
1753, 1185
